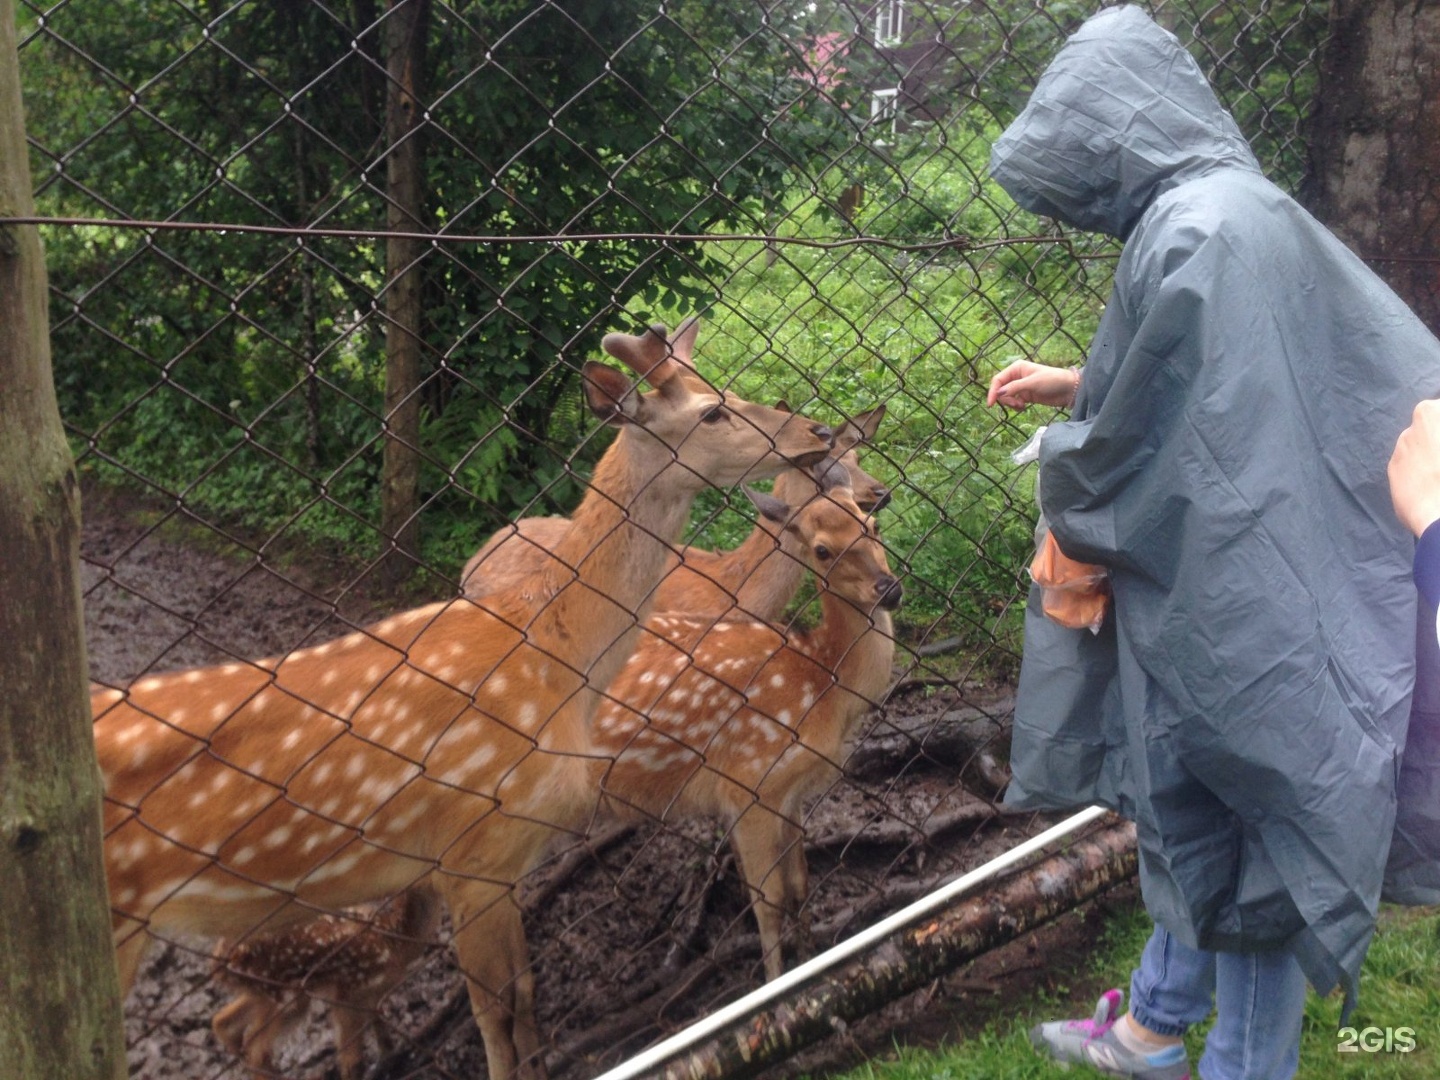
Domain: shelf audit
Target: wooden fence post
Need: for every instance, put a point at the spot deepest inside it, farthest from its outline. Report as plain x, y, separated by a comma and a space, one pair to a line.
61, 1017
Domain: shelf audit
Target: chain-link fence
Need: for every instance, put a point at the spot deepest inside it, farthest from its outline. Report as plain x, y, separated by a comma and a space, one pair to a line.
324, 278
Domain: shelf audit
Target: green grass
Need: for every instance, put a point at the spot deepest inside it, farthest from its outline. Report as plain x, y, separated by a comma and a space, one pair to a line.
837, 331
1400, 988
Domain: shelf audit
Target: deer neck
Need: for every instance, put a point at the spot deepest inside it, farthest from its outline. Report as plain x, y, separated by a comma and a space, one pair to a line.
619, 544
858, 647
764, 574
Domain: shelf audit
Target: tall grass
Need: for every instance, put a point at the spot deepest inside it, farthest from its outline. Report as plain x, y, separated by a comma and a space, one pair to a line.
835, 329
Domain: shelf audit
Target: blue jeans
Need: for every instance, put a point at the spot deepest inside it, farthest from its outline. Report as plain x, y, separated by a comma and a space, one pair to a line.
1259, 1000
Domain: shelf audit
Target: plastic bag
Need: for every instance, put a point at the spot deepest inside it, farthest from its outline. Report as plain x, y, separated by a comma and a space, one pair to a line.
1072, 593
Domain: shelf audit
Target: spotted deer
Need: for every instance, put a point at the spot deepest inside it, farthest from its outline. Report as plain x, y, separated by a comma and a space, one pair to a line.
350, 961
742, 721
450, 743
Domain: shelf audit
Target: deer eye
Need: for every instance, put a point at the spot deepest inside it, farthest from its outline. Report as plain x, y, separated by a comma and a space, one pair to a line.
713, 415
822, 552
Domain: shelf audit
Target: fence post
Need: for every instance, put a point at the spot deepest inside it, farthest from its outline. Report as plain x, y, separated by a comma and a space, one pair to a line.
61, 1016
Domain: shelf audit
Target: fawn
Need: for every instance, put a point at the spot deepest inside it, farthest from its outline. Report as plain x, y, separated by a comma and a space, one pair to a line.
745, 722
449, 743
757, 579
350, 961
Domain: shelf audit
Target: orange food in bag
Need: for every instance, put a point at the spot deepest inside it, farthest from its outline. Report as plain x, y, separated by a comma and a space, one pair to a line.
1074, 594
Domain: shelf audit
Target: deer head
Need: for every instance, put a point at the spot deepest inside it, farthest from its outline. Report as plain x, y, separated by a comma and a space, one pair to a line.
703, 430
841, 548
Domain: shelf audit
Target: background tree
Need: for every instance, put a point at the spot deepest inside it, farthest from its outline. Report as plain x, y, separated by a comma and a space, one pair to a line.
1375, 143
262, 358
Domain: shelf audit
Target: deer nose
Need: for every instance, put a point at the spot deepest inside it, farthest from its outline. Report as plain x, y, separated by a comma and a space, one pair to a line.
880, 498
823, 433
887, 587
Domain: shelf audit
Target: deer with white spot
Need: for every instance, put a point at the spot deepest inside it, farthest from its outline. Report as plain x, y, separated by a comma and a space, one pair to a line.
451, 743
745, 722
351, 961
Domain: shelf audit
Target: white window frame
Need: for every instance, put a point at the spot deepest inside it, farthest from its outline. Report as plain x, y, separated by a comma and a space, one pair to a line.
889, 22
885, 106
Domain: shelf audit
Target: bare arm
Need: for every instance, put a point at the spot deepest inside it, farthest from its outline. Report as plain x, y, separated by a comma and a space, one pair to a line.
1415, 470
1027, 383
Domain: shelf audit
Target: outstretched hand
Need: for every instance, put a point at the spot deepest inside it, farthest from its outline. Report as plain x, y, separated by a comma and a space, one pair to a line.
1415, 470
1025, 382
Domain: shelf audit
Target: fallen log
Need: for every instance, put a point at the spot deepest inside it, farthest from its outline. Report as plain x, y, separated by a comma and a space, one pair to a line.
889, 831
912, 958
972, 741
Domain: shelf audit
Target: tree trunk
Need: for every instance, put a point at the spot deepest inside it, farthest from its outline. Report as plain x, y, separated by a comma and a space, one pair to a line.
1375, 143
406, 26
61, 1016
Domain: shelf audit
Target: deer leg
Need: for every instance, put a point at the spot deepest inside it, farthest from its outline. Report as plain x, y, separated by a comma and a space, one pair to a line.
129, 952
490, 945
796, 875
772, 860
350, 1023
252, 1023
384, 1037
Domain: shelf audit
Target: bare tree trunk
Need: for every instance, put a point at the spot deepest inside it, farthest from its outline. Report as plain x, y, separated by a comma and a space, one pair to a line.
1375, 143
406, 26
61, 1015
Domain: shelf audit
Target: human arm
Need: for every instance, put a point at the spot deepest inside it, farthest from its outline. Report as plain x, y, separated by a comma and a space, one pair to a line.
1025, 382
1415, 469
1415, 490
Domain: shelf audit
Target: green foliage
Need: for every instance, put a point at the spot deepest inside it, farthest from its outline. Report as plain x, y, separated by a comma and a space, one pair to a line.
244, 372
838, 330
597, 117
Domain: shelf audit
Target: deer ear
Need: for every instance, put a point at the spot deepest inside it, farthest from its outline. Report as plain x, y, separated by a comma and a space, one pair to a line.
783, 406
830, 474
682, 345
647, 354
771, 508
610, 394
859, 429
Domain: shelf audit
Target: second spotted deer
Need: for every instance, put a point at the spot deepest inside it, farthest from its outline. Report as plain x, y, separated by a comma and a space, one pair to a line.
742, 721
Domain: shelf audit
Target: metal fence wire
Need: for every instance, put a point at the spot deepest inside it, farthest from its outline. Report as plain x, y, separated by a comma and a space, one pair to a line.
326, 279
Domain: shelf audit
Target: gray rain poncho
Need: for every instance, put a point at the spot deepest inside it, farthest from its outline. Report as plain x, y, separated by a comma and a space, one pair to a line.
1247, 701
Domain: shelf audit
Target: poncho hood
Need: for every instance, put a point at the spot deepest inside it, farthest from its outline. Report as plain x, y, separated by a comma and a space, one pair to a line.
1122, 114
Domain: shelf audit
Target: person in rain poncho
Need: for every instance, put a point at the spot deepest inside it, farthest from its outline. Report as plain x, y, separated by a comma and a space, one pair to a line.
1246, 700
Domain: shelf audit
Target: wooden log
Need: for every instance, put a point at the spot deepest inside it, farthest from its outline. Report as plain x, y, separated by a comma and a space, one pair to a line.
914, 957
972, 741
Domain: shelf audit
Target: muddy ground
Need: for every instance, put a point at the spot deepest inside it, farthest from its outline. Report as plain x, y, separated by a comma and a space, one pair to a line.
630, 939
